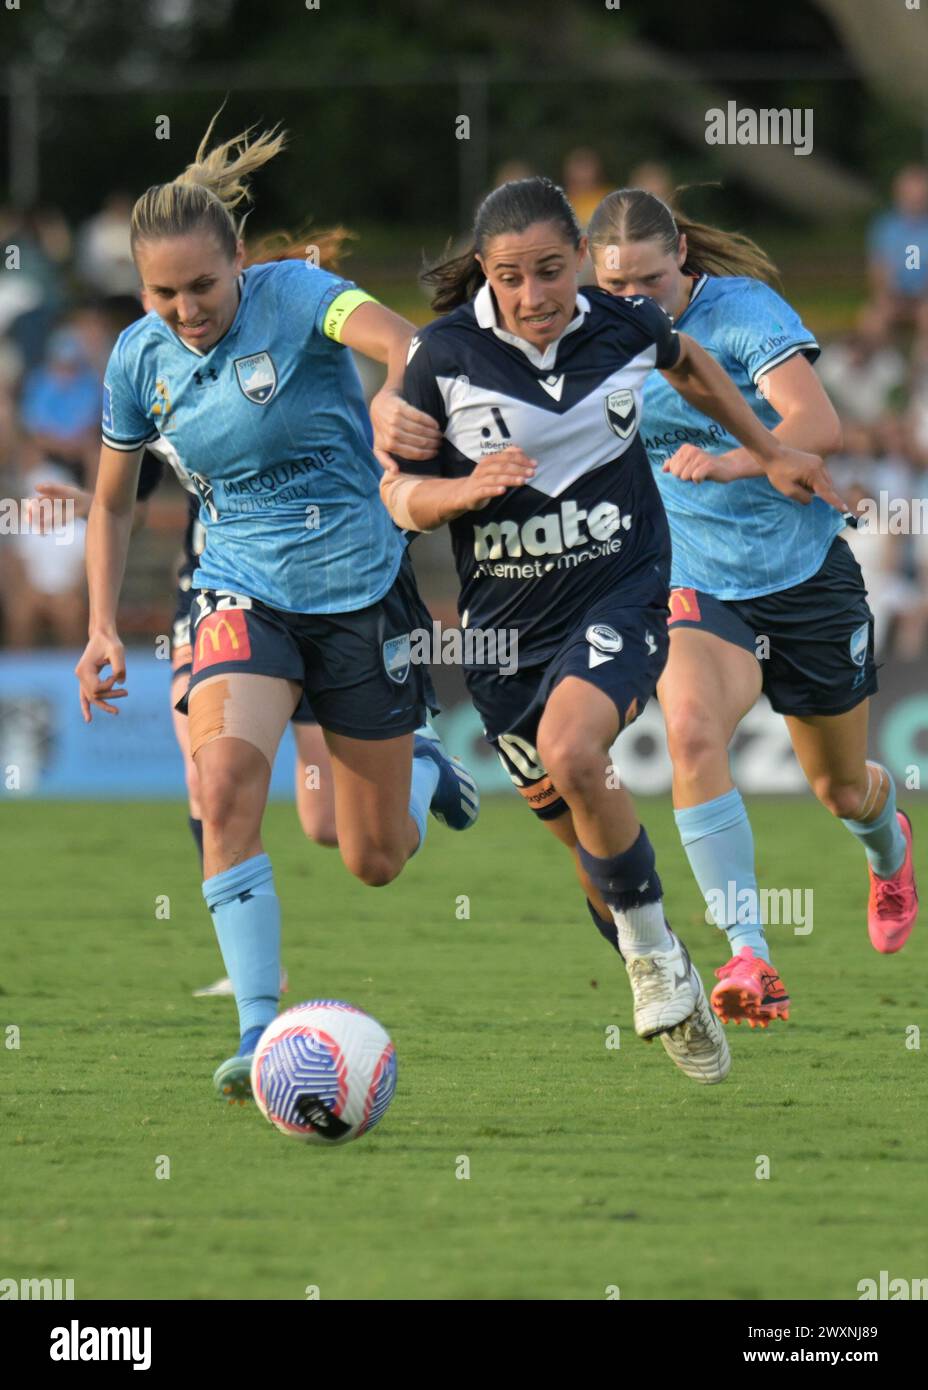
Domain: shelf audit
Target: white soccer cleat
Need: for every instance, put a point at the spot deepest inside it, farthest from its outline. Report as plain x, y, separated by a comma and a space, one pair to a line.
222, 989
698, 1045
665, 987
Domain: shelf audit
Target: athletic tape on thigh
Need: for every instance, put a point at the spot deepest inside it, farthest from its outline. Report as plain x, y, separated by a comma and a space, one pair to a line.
250, 707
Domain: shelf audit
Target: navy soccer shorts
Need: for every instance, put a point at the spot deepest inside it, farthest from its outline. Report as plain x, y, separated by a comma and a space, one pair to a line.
182, 648
355, 668
622, 651
814, 641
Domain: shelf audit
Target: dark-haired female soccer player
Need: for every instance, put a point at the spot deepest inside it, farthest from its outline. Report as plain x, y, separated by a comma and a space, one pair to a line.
766, 594
303, 585
561, 540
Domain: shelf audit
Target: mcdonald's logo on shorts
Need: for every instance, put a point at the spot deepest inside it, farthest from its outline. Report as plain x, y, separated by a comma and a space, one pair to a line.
683, 603
222, 637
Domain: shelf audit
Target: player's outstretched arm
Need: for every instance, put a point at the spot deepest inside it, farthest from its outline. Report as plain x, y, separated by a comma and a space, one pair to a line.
702, 382
417, 503
808, 421
383, 336
108, 528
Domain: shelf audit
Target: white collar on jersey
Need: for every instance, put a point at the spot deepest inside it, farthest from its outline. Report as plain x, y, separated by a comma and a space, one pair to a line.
485, 313
195, 350
697, 289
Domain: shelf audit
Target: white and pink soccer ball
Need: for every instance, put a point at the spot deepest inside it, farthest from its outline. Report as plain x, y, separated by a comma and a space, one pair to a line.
324, 1072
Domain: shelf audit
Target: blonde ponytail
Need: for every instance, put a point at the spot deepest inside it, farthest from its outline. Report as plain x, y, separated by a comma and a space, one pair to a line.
203, 197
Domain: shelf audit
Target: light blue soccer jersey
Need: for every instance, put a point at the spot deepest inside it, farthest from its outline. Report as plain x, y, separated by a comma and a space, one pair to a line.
272, 426
742, 539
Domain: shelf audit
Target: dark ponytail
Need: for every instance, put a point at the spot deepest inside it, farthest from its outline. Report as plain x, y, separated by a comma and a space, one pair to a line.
513, 207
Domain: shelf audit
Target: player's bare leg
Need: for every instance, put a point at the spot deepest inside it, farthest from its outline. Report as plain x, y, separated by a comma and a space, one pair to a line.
371, 780
384, 789
832, 752
706, 689
315, 792
191, 779
575, 736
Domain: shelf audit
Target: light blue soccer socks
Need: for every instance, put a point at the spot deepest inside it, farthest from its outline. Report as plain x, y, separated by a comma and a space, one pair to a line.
246, 915
455, 799
425, 775
719, 844
629, 885
882, 839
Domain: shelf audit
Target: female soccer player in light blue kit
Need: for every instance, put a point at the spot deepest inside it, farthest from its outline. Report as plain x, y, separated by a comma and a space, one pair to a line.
303, 585
765, 593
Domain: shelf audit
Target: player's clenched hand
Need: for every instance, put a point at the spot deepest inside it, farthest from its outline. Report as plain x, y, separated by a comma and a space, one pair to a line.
802, 476
494, 474
101, 651
694, 465
399, 428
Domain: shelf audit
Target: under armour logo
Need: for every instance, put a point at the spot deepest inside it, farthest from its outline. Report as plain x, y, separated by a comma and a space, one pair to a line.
199, 377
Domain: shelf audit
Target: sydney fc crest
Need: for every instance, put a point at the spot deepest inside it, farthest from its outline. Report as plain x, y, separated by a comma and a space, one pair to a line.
257, 376
396, 657
860, 644
620, 413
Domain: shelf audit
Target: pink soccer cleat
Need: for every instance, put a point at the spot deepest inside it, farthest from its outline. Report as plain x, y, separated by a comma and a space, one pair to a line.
750, 989
893, 905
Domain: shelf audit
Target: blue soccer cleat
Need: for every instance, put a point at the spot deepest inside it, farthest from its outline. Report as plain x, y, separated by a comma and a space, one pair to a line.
232, 1078
456, 802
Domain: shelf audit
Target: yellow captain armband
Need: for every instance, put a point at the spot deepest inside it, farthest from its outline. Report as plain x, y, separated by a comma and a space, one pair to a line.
342, 306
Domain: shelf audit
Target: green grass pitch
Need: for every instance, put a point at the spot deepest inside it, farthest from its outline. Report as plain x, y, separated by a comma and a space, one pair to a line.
590, 1168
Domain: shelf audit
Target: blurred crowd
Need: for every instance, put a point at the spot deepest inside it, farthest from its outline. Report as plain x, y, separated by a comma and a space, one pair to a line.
65, 295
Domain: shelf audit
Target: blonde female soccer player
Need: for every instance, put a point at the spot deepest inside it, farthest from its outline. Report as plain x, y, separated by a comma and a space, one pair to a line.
303, 586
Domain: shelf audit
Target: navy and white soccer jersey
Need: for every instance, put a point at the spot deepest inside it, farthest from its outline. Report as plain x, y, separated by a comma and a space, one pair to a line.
272, 427
590, 523
743, 539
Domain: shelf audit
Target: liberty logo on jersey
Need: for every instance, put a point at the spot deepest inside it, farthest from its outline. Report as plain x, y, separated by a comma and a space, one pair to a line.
257, 377
620, 412
488, 445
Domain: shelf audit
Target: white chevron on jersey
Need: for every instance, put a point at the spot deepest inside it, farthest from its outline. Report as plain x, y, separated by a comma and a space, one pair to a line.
549, 436
554, 385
